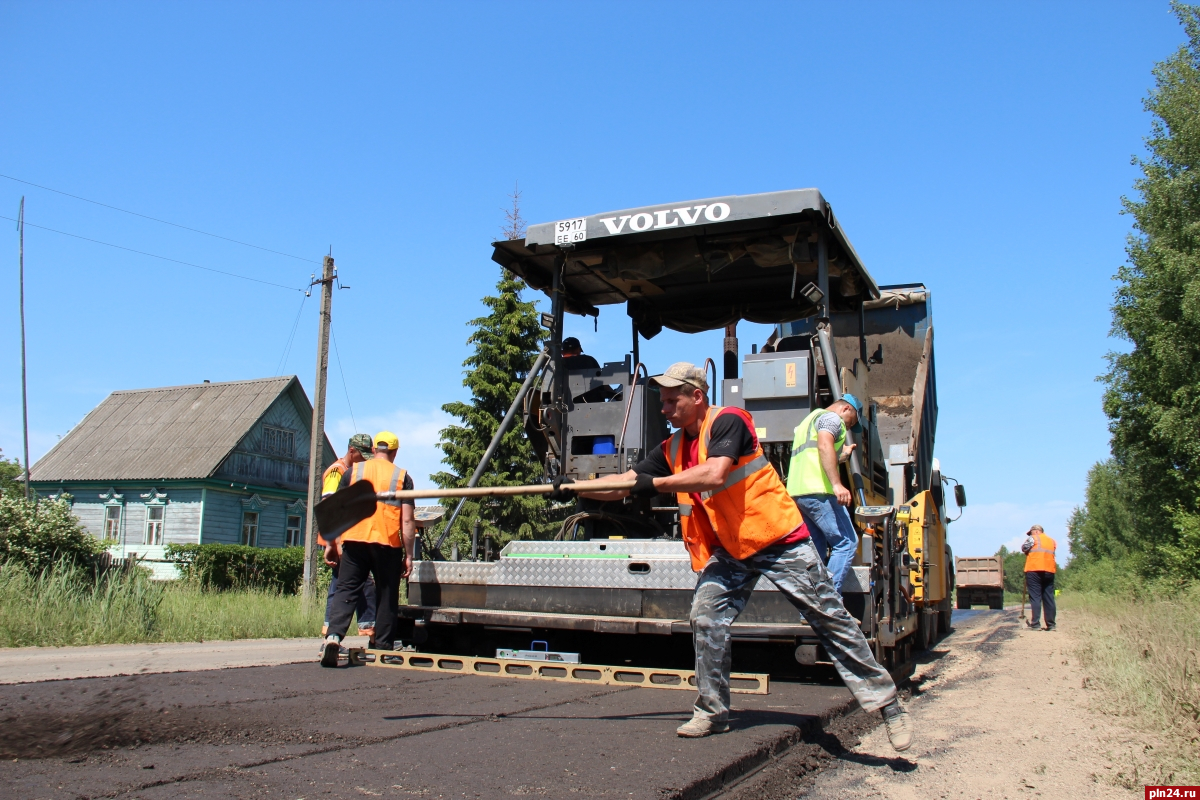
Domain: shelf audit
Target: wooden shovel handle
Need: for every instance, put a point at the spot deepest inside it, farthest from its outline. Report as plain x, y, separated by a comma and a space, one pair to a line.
491, 491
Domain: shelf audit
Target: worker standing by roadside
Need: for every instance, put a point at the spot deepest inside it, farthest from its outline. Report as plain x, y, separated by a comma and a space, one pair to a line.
357, 451
380, 545
739, 524
815, 483
1039, 576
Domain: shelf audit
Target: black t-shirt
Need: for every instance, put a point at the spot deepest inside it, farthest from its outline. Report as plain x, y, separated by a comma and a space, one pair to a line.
731, 437
407, 487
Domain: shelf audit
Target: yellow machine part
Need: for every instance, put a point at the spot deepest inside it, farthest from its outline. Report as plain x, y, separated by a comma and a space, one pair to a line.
927, 548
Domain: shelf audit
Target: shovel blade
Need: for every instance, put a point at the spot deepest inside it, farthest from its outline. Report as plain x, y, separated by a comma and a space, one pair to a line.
342, 510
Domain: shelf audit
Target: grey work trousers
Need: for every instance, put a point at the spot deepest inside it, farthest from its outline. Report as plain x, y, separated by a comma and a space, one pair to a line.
724, 589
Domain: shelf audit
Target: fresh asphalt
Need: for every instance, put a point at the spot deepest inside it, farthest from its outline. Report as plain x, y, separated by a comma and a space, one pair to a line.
301, 731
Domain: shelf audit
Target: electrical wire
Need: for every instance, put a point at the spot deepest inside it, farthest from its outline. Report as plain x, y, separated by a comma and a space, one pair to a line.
153, 255
343, 373
287, 348
156, 219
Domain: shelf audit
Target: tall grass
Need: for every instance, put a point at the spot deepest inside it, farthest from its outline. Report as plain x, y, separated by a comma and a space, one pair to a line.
1143, 652
69, 606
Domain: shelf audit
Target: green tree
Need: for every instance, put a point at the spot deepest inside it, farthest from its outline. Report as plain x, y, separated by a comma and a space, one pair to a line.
506, 342
1153, 391
10, 471
1103, 527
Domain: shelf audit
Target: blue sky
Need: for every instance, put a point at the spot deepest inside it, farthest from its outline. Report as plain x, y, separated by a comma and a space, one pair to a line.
979, 148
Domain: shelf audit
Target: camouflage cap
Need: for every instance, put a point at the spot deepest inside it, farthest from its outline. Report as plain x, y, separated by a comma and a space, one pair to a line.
682, 373
362, 443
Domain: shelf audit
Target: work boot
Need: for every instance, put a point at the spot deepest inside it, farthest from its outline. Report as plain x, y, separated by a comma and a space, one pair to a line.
1033, 626
330, 651
1048, 628
899, 726
698, 727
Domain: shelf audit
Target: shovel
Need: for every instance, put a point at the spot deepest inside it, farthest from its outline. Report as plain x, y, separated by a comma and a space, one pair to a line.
342, 510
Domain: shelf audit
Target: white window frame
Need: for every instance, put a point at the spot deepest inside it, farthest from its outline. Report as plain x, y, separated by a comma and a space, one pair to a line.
295, 533
155, 529
250, 522
116, 526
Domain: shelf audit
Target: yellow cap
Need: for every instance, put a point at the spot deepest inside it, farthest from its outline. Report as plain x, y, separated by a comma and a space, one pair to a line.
388, 439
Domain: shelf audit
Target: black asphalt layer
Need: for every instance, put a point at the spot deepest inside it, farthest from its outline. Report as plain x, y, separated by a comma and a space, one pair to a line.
303, 731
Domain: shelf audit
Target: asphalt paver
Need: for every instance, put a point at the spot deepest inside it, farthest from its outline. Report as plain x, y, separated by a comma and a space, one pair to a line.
302, 731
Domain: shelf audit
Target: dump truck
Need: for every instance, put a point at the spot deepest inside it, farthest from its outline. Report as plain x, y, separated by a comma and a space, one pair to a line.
616, 583
980, 581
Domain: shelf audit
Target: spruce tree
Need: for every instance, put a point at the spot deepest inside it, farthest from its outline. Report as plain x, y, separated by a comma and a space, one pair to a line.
1153, 391
506, 342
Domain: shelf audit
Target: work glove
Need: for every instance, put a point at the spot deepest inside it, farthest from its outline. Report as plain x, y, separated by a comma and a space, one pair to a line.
561, 494
643, 486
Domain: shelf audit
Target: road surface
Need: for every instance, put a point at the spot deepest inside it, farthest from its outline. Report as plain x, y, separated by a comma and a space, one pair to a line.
300, 731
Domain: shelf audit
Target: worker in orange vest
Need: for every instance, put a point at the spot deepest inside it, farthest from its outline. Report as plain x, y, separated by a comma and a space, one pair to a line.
359, 449
739, 523
1039, 576
380, 546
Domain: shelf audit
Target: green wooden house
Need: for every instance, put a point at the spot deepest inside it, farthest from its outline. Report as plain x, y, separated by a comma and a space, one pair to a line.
210, 462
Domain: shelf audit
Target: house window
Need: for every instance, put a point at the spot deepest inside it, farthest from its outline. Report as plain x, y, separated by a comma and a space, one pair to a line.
250, 528
154, 525
294, 539
279, 442
112, 523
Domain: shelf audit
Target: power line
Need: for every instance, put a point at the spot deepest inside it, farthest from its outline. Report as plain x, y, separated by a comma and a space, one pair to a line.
153, 255
343, 372
287, 348
156, 219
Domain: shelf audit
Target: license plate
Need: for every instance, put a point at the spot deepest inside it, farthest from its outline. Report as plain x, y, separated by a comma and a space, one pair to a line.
570, 231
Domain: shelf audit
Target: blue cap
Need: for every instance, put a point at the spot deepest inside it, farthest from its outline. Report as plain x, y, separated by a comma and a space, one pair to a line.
856, 404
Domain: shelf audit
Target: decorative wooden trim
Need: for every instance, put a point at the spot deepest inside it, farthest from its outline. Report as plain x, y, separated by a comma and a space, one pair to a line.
255, 503
154, 497
112, 497
298, 507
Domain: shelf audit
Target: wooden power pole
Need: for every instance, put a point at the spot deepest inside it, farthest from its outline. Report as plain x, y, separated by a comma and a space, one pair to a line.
317, 446
24, 392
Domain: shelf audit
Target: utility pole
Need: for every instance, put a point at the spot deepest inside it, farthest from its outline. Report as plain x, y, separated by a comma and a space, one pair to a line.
317, 446
24, 391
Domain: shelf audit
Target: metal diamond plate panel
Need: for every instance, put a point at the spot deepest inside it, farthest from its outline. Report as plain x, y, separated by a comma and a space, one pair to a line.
595, 573
470, 573
600, 546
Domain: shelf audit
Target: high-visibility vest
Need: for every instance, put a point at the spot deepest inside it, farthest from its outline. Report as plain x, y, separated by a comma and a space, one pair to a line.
382, 527
750, 511
1041, 557
805, 474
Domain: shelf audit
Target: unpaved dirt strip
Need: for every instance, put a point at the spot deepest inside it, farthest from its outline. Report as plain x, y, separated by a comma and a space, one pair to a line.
30, 664
999, 712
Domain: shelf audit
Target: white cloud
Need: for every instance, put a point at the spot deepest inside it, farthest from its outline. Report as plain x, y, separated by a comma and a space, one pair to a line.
418, 434
983, 528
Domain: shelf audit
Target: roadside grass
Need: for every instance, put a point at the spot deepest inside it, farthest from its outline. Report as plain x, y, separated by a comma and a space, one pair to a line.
67, 606
1143, 655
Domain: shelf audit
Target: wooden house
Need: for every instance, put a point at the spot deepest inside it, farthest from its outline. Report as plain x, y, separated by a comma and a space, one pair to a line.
211, 462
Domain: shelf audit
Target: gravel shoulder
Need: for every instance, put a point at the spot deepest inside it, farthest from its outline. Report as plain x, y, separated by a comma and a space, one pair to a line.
1000, 712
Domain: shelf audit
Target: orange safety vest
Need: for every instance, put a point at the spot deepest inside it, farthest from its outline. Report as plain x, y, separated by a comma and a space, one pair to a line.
752, 510
382, 527
1041, 557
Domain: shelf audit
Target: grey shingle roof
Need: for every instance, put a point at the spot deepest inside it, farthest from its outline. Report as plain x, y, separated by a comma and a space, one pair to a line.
176, 432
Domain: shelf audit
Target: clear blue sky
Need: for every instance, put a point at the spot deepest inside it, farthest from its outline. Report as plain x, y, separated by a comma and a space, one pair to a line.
981, 149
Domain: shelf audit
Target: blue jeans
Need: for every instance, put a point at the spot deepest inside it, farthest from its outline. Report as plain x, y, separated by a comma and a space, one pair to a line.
829, 525
1041, 596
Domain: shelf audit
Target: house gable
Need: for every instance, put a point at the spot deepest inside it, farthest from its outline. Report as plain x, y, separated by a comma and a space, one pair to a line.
275, 450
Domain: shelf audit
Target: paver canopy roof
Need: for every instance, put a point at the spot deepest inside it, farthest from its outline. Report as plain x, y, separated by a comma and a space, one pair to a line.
696, 265
176, 432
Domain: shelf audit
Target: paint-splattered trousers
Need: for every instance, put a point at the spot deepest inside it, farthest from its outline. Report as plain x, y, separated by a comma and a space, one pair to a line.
724, 589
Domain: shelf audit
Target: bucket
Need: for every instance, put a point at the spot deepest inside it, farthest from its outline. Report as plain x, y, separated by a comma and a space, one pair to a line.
604, 446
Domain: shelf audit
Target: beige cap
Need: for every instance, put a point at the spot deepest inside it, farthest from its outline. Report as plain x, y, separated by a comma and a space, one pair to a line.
682, 373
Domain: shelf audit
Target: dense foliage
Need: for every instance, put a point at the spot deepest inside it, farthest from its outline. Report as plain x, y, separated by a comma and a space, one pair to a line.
236, 566
506, 342
1143, 506
10, 471
37, 534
